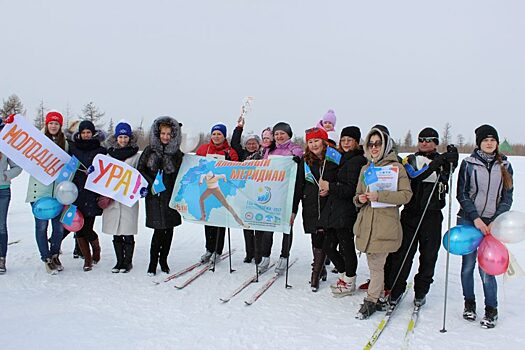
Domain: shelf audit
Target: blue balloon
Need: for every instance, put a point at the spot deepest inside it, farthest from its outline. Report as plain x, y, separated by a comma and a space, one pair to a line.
464, 239
47, 208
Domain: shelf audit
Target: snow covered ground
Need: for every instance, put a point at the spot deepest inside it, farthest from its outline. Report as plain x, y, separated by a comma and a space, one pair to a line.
101, 310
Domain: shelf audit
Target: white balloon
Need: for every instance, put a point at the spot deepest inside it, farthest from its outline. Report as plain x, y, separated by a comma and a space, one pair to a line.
509, 227
190, 140
66, 192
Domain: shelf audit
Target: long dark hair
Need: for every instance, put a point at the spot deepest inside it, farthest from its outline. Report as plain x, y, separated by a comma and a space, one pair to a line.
310, 157
59, 138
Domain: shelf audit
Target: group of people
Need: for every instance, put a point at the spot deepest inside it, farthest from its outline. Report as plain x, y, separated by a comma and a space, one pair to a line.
341, 209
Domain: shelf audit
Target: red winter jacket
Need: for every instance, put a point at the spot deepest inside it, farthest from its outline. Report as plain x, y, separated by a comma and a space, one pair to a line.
222, 149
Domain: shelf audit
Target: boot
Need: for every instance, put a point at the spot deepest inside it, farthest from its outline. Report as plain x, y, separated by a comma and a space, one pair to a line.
345, 286
50, 267
119, 253
154, 253
491, 317
319, 256
469, 312
249, 245
2, 266
83, 244
324, 274
57, 262
127, 264
366, 309
77, 253
96, 250
165, 250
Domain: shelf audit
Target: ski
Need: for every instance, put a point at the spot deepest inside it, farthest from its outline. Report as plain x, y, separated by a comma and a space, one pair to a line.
382, 325
14, 242
265, 286
410, 327
187, 269
245, 284
201, 272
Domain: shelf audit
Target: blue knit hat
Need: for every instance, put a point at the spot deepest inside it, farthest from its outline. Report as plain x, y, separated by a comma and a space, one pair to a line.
123, 128
220, 127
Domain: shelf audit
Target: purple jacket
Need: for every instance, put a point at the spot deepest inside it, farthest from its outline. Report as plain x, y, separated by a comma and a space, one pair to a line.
286, 149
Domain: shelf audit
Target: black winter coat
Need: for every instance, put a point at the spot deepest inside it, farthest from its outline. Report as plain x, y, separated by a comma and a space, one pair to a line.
243, 152
168, 158
307, 192
85, 151
341, 212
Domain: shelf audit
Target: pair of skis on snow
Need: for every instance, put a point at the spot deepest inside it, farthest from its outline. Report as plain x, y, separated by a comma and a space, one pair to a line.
386, 319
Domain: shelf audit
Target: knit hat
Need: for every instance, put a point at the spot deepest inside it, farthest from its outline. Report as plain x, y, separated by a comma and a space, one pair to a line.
283, 127
252, 137
54, 116
267, 133
429, 133
330, 117
220, 127
123, 128
316, 133
484, 132
86, 124
351, 131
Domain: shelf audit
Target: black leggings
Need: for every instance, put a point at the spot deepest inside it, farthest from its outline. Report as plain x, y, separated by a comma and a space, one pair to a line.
87, 230
214, 238
346, 260
267, 243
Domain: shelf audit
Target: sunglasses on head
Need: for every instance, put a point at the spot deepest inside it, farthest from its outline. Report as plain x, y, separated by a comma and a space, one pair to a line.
377, 144
314, 129
427, 139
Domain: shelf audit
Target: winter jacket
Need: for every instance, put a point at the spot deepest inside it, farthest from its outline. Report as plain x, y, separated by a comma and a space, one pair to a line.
167, 158
243, 153
223, 149
378, 230
119, 219
422, 180
85, 151
342, 213
286, 149
307, 192
480, 189
8, 175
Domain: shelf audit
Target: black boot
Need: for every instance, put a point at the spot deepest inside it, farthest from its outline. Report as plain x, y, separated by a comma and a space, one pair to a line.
154, 252
167, 237
317, 268
249, 244
119, 253
77, 253
127, 263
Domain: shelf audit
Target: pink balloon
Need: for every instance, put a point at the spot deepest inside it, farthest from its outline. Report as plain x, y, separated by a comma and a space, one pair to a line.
77, 224
493, 256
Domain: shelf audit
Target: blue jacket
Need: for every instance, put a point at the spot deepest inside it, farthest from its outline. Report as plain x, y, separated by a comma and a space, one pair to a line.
480, 190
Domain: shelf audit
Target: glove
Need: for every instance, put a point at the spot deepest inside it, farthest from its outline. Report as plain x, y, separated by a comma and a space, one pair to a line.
90, 169
437, 162
143, 192
297, 159
452, 155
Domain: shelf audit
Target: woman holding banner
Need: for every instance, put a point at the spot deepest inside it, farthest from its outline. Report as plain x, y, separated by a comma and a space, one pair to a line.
159, 164
118, 219
312, 168
85, 146
378, 226
49, 249
218, 146
8, 171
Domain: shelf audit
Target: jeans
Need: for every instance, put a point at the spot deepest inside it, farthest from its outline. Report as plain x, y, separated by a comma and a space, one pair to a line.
490, 286
5, 198
47, 251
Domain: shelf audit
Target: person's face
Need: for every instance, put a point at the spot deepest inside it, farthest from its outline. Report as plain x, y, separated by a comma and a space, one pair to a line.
426, 144
123, 140
252, 145
328, 126
489, 145
86, 134
316, 146
348, 144
53, 128
165, 135
374, 146
280, 137
217, 137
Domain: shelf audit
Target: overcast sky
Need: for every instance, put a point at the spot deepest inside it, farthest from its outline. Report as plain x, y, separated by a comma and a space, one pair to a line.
405, 64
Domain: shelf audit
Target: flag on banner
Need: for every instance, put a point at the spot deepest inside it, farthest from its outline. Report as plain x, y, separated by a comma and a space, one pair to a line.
68, 171
333, 155
158, 184
68, 215
370, 175
308, 174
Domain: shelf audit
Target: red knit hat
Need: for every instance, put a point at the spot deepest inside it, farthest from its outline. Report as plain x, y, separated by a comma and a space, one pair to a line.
54, 116
316, 133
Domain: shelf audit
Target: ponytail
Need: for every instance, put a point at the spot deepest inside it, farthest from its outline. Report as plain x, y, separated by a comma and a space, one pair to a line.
507, 178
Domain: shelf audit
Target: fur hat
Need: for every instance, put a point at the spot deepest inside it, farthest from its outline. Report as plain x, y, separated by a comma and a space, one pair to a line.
252, 137
351, 131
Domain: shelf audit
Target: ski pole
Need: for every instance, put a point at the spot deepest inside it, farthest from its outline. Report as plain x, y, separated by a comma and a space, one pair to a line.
444, 330
216, 248
286, 285
230, 251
